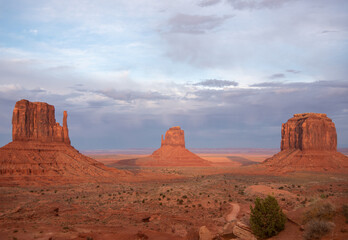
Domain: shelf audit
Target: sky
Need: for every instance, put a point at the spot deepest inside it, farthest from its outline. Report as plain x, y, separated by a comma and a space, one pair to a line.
229, 72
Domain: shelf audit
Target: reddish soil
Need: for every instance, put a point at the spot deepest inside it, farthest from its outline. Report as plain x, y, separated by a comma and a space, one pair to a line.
173, 204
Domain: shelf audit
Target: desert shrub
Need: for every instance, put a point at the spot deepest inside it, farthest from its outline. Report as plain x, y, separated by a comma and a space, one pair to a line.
321, 211
266, 218
316, 229
345, 212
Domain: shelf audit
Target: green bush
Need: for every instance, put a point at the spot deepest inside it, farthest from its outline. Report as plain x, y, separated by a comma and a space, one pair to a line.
266, 218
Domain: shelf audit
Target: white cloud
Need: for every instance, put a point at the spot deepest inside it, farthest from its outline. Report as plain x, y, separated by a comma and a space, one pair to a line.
34, 31
4, 88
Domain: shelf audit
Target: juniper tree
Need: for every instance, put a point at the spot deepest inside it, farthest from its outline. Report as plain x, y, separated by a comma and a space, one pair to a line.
266, 218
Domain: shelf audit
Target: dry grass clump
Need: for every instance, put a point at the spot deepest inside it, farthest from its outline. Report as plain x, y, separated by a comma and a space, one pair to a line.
321, 211
318, 220
316, 229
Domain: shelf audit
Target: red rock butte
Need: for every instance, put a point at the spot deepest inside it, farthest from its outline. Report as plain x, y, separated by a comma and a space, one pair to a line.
35, 121
171, 153
41, 147
309, 142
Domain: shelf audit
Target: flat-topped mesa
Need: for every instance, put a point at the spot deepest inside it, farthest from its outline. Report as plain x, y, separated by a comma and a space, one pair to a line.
174, 137
35, 121
309, 143
309, 131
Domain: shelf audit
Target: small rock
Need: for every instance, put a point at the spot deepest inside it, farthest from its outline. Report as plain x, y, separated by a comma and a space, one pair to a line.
205, 234
228, 228
243, 232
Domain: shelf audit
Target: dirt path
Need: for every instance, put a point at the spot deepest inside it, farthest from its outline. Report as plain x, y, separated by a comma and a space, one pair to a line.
233, 214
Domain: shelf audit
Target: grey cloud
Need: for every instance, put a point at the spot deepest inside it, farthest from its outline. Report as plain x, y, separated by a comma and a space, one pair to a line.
132, 95
38, 90
331, 84
316, 84
267, 84
257, 114
256, 4
216, 83
293, 71
230, 117
61, 68
195, 24
208, 3
329, 31
277, 76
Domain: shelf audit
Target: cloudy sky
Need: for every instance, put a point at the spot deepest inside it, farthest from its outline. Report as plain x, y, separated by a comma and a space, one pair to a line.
229, 72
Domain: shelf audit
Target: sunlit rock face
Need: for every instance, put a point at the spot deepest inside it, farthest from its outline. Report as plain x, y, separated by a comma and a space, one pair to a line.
309, 142
309, 131
35, 121
174, 137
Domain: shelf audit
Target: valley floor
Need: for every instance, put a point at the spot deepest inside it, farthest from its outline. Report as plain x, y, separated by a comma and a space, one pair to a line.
164, 209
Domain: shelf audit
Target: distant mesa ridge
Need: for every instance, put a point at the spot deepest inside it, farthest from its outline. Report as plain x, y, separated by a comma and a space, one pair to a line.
309, 142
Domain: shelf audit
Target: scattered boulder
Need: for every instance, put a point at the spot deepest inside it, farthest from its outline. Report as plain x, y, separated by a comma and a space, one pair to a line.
243, 231
205, 234
228, 228
141, 236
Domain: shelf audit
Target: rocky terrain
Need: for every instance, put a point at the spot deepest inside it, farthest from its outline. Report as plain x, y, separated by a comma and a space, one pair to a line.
196, 206
309, 142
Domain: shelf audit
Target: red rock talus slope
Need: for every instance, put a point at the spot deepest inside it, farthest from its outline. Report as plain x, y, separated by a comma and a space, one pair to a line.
171, 153
41, 147
309, 142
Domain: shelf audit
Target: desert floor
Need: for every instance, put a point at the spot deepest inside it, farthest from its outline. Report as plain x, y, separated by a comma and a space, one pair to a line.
167, 208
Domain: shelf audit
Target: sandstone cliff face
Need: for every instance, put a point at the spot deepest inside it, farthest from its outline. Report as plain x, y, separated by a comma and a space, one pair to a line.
174, 137
309, 142
41, 149
35, 121
309, 131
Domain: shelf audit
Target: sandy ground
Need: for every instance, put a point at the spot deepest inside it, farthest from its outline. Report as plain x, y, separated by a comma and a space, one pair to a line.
231, 159
168, 208
234, 213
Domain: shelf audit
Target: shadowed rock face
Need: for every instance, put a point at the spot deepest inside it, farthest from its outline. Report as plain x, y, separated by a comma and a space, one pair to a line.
35, 121
309, 131
309, 142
